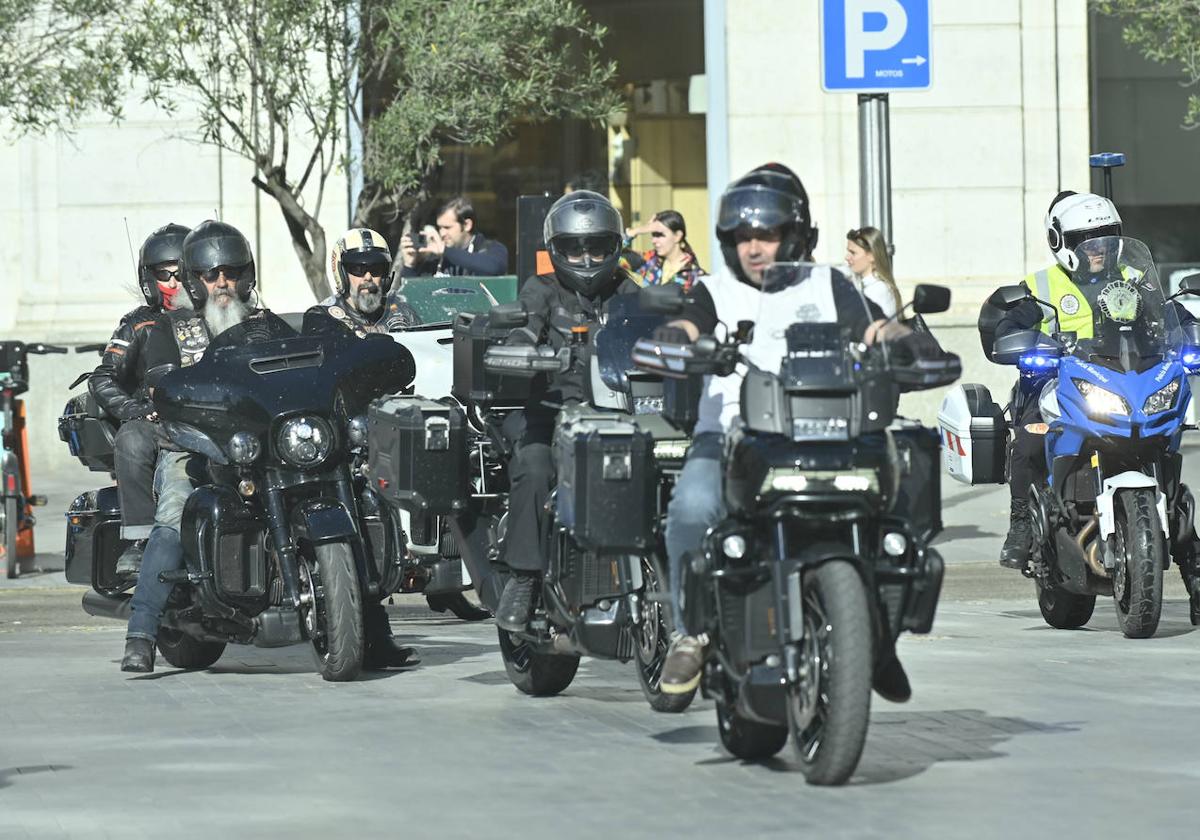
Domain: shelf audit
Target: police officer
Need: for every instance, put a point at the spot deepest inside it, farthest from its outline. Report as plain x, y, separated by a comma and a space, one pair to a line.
362, 272
1072, 219
583, 233
764, 218
118, 386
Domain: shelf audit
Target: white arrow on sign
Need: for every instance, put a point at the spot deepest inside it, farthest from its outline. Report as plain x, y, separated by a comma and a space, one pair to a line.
919, 60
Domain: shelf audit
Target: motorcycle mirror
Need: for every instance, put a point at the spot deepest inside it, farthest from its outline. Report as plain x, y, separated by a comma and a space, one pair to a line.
1009, 297
929, 299
509, 316
1190, 285
662, 300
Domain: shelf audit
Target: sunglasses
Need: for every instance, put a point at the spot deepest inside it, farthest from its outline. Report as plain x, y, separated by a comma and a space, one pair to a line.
856, 236
166, 275
597, 248
657, 234
232, 273
378, 268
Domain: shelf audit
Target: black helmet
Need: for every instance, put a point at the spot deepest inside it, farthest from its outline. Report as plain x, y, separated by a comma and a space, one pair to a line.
583, 233
212, 244
163, 246
767, 198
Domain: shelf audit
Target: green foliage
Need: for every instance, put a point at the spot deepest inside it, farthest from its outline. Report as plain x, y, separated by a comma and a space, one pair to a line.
56, 63
1164, 31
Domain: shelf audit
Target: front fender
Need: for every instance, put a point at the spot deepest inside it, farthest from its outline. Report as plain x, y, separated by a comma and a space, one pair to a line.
322, 520
1127, 481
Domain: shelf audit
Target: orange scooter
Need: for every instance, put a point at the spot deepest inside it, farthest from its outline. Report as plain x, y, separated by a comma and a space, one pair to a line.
16, 516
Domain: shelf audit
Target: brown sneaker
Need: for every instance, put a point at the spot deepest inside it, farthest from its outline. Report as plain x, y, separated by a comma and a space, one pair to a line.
685, 659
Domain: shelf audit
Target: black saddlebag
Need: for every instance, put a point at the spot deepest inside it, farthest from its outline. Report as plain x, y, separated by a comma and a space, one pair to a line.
472, 382
606, 482
419, 455
94, 540
919, 491
88, 433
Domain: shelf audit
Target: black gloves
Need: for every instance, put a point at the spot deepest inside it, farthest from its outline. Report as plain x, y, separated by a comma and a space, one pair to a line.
667, 334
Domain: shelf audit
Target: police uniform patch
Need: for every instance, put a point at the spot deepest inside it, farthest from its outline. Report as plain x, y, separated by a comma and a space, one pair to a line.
1069, 304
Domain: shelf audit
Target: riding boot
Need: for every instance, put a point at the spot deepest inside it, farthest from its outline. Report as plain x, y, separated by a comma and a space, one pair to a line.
139, 656
382, 650
516, 604
1019, 542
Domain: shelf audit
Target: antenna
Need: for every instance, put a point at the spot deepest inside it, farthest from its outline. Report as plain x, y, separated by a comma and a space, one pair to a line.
132, 258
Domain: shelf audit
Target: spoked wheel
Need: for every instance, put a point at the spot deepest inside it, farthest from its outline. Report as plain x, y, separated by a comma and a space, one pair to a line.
652, 637
182, 651
748, 739
8, 525
535, 673
1141, 550
333, 613
1064, 610
828, 712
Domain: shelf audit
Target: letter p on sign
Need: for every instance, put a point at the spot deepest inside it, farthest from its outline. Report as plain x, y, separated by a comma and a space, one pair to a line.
860, 40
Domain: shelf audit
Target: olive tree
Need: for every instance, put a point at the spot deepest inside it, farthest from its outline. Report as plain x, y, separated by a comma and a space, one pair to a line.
277, 82
1164, 31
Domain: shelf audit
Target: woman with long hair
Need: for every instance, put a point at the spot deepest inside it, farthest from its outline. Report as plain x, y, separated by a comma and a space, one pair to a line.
672, 259
868, 258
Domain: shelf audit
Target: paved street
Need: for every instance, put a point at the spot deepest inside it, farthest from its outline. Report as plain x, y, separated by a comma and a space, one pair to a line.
1015, 730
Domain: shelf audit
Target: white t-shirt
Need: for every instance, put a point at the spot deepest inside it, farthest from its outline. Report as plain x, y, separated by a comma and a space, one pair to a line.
878, 292
811, 301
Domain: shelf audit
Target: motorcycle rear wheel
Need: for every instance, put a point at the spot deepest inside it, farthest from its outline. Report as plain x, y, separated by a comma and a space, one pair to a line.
652, 637
533, 673
1064, 610
1141, 550
11, 563
339, 643
182, 651
829, 712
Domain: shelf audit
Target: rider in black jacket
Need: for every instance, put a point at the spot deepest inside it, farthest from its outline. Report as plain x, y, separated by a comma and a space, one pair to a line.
362, 272
118, 386
583, 233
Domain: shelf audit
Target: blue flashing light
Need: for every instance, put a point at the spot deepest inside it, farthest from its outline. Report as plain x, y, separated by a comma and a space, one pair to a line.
1106, 159
1035, 361
1190, 358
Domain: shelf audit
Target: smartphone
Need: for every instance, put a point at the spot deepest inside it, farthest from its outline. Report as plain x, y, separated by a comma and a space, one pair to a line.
419, 239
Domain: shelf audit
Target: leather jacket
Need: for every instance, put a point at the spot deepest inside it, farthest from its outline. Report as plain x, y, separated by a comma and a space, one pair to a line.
118, 383
393, 316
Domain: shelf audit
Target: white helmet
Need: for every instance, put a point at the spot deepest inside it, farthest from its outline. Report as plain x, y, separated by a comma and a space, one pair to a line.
1074, 218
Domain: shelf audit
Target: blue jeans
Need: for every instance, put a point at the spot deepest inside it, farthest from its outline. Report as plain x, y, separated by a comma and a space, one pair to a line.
697, 504
164, 551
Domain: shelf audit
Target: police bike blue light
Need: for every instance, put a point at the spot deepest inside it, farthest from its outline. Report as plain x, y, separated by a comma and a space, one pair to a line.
1190, 359
1037, 362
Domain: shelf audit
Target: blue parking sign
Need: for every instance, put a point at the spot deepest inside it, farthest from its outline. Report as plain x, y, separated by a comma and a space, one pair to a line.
875, 45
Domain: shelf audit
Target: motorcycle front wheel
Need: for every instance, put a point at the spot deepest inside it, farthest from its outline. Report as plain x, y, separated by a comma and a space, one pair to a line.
11, 563
335, 617
534, 673
829, 710
652, 638
1141, 550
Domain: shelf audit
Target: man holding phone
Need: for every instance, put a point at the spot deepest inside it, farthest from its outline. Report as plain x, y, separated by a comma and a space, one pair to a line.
454, 248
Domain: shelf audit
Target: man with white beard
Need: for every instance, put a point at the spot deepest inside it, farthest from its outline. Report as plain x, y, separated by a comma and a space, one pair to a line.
217, 273
362, 272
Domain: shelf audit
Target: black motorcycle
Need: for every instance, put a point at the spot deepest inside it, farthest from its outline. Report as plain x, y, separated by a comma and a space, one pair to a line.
278, 548
15, 499
823, 558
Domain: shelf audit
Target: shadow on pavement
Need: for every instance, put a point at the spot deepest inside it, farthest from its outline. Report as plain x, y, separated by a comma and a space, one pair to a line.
9, 774
963, 532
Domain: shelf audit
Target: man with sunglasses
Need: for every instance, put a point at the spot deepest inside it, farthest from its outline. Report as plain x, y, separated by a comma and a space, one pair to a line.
362, 273
583, 233
118, 387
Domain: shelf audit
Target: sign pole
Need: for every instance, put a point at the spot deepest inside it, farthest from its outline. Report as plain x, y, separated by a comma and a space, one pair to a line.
875, 164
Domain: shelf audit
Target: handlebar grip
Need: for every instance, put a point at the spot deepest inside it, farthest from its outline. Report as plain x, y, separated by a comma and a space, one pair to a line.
44, 349
91, 348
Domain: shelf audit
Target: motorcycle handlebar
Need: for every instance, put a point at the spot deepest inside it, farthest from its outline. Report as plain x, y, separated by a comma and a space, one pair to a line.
90, 348
44, 349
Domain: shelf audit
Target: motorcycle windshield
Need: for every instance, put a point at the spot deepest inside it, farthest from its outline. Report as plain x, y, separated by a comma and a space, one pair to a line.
625, 324
263, 368
803, 330
1117, 310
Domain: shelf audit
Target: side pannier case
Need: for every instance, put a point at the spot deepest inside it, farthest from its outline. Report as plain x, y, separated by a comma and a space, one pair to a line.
606, 482
418, 454
472, 382
974, 436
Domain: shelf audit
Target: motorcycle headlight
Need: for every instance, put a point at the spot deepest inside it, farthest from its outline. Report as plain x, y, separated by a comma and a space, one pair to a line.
356, 430
1162, 399
821, 481
244, 448
670, 450
1100, 401
305, 441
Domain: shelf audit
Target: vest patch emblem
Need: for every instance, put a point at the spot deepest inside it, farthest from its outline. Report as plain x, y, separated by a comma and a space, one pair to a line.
1120, 301
1069, 304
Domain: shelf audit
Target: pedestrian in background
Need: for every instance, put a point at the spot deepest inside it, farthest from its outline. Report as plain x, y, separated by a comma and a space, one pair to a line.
672, 259
868, 258
454, 248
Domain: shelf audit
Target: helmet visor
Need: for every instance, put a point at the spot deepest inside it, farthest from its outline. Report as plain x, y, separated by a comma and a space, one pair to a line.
358, 265
757, 207
1072, 239
587, 251
232, 273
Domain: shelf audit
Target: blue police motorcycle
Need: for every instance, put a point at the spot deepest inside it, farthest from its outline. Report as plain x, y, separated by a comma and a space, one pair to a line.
1114, 511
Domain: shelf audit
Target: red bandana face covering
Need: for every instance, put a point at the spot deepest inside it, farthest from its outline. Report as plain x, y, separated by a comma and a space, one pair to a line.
168, 295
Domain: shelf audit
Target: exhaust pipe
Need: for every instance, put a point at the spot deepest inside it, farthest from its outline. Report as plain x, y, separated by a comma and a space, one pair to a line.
1091, 553
107, 606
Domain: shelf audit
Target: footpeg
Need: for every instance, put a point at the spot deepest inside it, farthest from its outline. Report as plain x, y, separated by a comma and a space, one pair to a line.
182, 576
